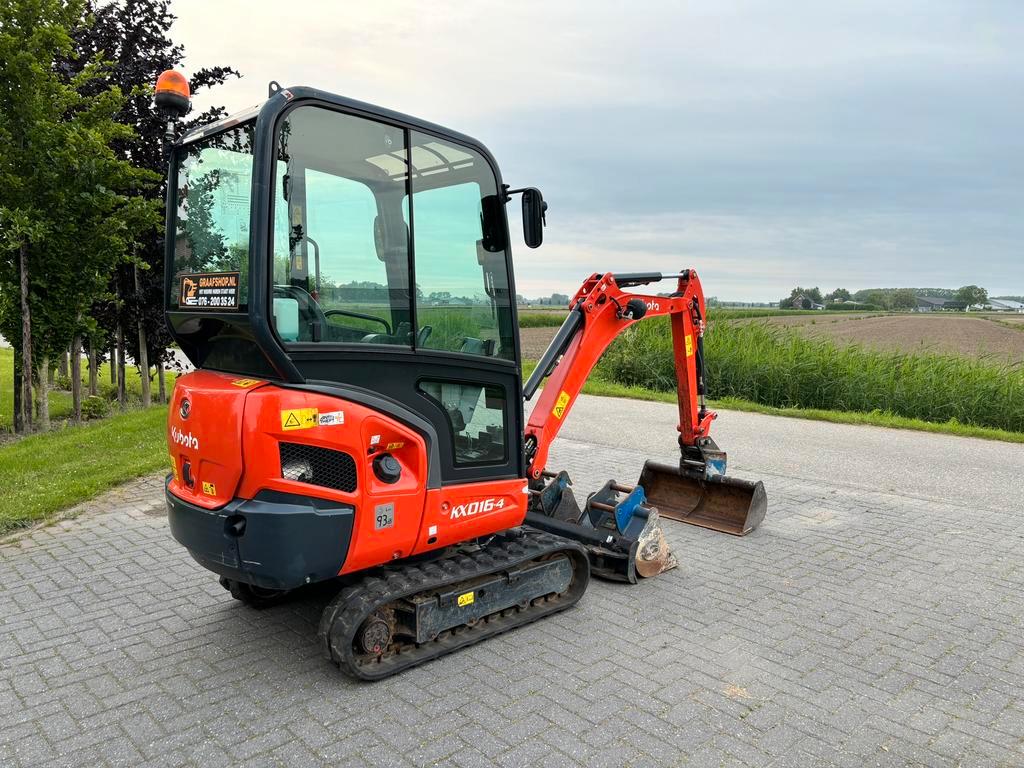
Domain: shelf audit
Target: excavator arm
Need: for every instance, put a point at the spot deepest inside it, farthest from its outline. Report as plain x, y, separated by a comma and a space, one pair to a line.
600, 311
618, 524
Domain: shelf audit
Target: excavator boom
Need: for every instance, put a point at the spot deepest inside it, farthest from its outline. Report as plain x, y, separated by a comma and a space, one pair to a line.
697, 490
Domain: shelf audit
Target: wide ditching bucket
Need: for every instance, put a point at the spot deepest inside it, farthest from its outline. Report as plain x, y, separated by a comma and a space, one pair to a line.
721, 503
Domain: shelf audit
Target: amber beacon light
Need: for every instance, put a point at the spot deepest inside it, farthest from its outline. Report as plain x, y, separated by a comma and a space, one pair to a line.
172, 92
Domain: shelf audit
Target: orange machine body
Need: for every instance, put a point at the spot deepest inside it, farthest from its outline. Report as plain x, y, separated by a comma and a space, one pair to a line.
226, 435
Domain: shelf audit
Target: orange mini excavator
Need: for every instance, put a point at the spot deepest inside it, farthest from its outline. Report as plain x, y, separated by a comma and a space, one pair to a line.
340, 276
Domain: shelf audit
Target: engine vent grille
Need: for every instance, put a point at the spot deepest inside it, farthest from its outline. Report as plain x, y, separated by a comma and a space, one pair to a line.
318, 466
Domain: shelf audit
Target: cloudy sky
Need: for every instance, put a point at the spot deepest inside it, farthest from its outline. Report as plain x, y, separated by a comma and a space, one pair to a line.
859, 144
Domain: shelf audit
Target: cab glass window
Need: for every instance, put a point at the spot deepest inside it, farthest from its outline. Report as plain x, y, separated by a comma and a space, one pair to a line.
476, 415
458, 222
211, 232
341, 244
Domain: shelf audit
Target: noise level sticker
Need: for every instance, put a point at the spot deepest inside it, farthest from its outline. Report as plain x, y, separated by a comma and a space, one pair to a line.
560, 405
466, 598
298, 418
689, 345
209, 489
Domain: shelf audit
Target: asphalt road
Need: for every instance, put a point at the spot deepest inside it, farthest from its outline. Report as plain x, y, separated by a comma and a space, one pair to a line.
984, 474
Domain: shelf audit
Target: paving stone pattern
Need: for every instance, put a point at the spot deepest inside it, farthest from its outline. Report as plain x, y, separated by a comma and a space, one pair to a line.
854, 628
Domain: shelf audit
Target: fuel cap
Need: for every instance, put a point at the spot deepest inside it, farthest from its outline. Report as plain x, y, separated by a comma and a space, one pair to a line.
387, 469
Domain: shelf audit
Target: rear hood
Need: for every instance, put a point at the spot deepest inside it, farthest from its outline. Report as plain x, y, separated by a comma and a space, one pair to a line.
204, 436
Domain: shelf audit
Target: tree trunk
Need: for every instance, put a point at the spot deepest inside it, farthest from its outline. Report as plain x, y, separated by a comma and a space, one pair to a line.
76, 379
122, 391
62, 365
143, 360
161, 383
26, 340
93, 369
44, 393
113, 365
19, 422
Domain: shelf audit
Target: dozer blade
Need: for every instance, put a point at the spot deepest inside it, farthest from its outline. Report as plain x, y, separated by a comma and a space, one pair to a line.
721, 503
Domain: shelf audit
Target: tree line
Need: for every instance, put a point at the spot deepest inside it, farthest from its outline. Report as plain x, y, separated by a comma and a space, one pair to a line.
82, 191
882, 298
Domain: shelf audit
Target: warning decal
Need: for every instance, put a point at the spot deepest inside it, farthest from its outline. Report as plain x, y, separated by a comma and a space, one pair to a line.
466, 598
209, 489
298, 418
331, 419
689, 345
209, 290
561, 404
246, 383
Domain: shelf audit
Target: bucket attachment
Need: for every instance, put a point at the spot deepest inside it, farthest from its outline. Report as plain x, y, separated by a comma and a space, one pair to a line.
621, 531
718, 502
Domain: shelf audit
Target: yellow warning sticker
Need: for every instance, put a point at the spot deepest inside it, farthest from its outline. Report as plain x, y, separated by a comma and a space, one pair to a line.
561, 404
245, 383
689, 345
209, 489
174, 470
466, 598
298, 418
394, 446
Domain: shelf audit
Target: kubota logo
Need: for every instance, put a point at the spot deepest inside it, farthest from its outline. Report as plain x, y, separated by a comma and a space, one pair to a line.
476, 507
186, 440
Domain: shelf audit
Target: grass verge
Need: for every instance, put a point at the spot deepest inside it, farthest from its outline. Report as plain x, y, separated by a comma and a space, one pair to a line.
48, 472
60, 401
599, 386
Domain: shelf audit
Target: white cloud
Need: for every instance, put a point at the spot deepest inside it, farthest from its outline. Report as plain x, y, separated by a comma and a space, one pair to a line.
857, 143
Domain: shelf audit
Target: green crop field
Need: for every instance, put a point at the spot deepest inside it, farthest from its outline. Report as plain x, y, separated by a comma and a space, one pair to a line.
779, 368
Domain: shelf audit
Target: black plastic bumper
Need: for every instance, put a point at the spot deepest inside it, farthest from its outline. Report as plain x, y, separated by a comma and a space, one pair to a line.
274, 541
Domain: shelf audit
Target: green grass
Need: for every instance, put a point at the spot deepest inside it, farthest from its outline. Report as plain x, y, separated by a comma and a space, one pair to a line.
553, 318
542, 319
45, 473
598, 386
60, 402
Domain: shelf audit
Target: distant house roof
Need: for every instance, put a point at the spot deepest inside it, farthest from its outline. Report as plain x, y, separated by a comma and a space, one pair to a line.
1005, 304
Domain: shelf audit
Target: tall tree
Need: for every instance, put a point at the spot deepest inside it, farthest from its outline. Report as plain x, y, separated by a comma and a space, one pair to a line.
134, 36
970, 295
904, 298
64, 190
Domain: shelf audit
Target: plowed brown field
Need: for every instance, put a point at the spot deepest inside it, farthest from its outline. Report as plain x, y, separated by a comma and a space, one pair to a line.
954, 334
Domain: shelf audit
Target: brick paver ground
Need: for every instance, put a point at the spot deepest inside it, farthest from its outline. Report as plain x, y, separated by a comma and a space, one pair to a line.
853, 628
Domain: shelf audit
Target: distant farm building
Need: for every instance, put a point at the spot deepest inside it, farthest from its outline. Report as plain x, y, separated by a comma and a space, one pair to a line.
1006, 305
801, 301
936, 304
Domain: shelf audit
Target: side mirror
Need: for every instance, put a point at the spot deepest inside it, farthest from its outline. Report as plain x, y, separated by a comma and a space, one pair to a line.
534, 219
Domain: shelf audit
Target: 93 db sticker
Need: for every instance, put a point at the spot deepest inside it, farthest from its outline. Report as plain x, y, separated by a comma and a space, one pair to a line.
384, 516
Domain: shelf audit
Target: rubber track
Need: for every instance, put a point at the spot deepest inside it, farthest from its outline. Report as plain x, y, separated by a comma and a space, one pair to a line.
345, 614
